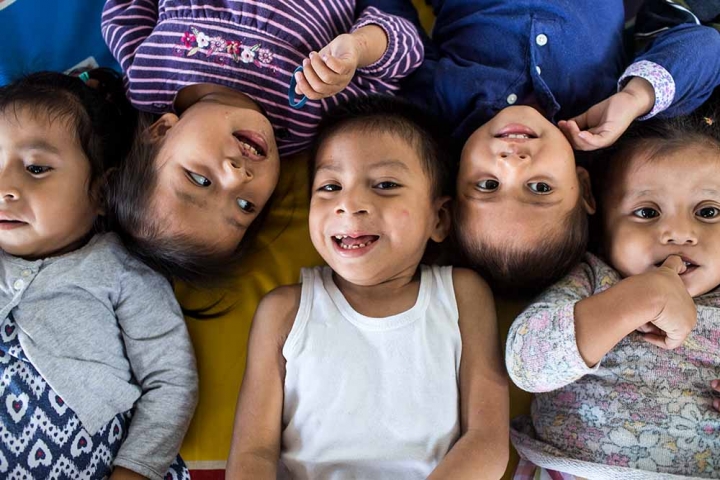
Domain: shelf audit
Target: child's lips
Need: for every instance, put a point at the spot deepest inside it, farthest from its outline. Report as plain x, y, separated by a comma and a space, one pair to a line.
690, 264
516, 132
353, 245
8, 224
252, 144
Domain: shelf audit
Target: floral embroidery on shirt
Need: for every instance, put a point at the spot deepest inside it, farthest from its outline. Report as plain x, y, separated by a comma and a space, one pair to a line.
225, 51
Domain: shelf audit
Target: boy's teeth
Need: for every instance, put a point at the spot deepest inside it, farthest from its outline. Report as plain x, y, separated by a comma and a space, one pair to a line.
353, 247
517, 135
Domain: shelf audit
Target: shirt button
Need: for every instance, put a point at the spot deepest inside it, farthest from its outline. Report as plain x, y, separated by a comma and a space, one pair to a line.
541, 39
18, 285
512, 98
26, 273
537, 69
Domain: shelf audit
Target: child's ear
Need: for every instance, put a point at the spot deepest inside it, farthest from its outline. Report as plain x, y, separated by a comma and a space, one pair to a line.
442, 219
586, 190
159, 129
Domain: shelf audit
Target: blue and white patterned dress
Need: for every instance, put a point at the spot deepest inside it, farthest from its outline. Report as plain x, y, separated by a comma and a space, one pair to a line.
40, 436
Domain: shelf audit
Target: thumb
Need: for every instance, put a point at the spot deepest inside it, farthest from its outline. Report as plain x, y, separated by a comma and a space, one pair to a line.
657, 340
674, 263
581, 120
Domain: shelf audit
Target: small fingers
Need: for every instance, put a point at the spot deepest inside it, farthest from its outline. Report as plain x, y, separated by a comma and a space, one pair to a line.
313, 79
649, 328
659, 341
304, 88
337, 65
323, 71
579, 139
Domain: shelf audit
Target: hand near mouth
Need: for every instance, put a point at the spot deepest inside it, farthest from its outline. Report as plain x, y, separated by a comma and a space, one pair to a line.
671, 310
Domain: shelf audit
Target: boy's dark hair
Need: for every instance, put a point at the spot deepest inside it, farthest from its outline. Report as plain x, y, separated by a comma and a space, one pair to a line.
384, 113
175, 256
523, 271
95, 108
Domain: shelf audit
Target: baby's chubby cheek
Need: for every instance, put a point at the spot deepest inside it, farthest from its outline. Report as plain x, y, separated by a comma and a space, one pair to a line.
630, 258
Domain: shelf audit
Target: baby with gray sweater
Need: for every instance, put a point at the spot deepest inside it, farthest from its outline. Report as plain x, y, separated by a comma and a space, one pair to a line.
96, 366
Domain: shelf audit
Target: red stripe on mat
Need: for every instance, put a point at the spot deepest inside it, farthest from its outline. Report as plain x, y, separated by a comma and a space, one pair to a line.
207, 474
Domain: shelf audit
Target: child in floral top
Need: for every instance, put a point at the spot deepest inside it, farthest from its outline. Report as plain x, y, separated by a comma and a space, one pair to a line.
220, 73
624, 352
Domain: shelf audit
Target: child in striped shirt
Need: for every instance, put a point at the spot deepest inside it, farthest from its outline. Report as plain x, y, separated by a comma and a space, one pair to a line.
220, 72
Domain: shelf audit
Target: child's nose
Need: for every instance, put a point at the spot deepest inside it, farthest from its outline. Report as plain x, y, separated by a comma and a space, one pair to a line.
237, 171
513, 152
9, 190
353, 204
679, 232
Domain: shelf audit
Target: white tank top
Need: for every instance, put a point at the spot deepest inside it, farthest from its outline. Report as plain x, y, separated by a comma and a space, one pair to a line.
370, 398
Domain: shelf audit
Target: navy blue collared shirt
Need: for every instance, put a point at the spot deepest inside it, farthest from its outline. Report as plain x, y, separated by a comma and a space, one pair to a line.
563, 55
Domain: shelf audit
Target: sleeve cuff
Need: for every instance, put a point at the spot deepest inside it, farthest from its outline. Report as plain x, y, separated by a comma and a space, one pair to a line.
373, 16
660, 79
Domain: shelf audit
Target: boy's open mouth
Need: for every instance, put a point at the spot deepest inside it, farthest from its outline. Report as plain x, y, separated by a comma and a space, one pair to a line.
251, 144
347, 242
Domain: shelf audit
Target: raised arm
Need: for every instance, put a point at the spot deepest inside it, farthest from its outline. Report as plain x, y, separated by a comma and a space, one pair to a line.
379, 50
482, 450
674, 73
565, 334
681, 58
125, 25
161, 356
256, 441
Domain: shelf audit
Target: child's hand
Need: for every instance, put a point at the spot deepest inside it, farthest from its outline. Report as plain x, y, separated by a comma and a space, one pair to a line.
675, 314
715, 385
604, 122
330, 70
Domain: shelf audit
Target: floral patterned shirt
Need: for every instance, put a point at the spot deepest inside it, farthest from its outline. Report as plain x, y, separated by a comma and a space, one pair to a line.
251, 46
641, 408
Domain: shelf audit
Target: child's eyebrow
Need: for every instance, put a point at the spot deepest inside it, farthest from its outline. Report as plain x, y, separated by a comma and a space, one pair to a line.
710, 191
337, 166
39, 144
389, 164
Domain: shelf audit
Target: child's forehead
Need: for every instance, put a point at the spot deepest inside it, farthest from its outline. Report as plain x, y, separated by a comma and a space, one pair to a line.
42, 117
366, 146
690, 170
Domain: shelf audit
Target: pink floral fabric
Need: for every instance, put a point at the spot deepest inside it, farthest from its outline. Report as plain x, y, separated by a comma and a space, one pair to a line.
641, 408
661, 80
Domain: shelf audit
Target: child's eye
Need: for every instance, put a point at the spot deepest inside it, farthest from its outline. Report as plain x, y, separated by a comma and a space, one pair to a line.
708, 212
387, 185
245, 206
540, 187
199, 179
38, 169
646, 213
330, 187
488, 185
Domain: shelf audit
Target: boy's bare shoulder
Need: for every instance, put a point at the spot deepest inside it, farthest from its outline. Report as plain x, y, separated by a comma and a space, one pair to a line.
278, 308
283, 300
467, 283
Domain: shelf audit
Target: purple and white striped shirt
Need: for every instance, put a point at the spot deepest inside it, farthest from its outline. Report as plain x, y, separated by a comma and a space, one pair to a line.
249, 45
